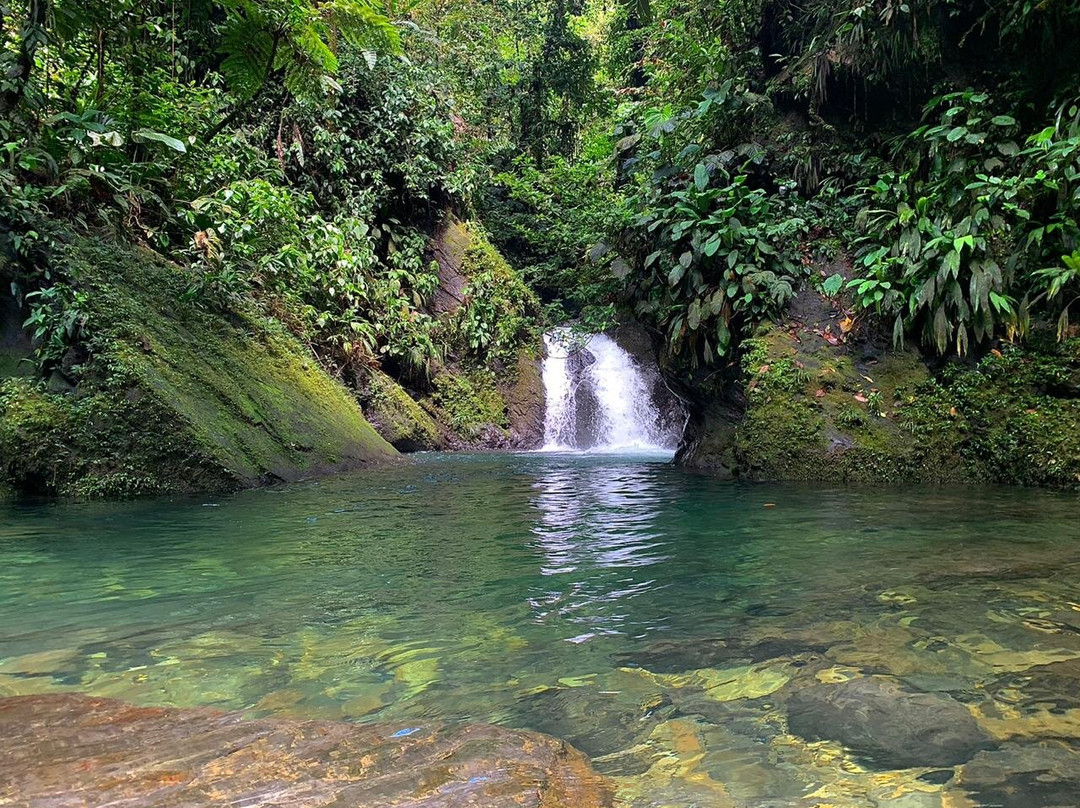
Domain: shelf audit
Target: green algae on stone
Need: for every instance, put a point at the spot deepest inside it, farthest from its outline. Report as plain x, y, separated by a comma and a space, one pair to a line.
470, 402
807, 417
824, 412
396, 416
172, 397
1015, 415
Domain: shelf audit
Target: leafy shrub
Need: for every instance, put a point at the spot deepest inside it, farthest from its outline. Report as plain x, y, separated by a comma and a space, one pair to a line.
500, 311
721, 260
954, 240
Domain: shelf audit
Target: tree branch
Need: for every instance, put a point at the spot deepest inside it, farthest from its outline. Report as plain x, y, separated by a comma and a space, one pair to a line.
33, 35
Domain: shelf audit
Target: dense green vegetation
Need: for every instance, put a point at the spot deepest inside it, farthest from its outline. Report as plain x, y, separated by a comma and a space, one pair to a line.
692, 165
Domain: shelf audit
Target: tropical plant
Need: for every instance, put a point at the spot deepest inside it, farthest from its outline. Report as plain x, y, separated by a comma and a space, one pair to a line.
299, 39
952, 241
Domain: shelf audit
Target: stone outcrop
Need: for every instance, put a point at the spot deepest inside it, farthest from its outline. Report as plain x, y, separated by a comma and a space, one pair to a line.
817, 397
173, 396
63, 751
482, 398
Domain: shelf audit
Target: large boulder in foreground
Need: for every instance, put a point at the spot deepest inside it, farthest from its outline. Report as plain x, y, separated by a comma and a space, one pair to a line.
886, 724
71, 750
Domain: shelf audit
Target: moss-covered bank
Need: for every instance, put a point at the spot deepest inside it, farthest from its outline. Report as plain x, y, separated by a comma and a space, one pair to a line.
488, 391
815, 403
163, 395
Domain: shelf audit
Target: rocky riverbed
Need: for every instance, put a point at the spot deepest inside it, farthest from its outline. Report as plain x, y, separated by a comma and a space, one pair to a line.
73, 750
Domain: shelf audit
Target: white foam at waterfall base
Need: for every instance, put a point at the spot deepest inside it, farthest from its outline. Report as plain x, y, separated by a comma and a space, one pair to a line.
609, 400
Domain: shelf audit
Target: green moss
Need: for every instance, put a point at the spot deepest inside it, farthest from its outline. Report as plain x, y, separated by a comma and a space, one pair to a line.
175, 398
471, 402
813, 412
96, 445
398, 418
1015, 417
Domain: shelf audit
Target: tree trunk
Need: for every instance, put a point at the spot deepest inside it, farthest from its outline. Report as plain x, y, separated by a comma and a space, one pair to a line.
31, 38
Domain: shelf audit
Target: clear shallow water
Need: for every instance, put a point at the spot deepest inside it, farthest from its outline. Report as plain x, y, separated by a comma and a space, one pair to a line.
657, 619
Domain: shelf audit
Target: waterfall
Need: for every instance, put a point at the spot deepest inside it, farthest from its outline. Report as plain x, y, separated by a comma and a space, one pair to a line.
600, 399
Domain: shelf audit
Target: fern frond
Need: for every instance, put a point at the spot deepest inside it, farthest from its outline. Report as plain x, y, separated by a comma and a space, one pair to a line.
362, 25
247, 45
247, 49
306, 59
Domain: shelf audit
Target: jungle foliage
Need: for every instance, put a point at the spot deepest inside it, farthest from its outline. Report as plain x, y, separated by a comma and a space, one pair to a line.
296, 154
693, 162
936, 141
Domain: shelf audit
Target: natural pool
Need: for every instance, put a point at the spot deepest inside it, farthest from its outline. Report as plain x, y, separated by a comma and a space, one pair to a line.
672, 626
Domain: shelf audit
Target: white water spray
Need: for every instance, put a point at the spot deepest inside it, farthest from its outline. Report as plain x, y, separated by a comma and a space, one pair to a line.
600, 399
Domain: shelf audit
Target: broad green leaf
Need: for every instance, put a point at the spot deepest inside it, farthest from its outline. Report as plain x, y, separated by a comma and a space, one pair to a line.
832, 284
701, 177
144, 135
693, 316
941, 329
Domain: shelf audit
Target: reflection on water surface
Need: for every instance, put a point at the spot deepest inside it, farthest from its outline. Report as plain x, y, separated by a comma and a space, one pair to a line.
846, 647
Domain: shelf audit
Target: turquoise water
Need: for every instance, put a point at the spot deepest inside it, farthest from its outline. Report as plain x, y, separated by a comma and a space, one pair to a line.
657, 619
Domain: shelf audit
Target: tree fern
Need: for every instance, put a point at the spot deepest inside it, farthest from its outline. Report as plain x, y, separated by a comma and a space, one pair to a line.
297, 38
248, 44
362, 25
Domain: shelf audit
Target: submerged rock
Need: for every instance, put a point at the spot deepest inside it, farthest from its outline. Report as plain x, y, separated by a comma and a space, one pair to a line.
599, 726
895, 728
678, 656
1023, 776
71, 750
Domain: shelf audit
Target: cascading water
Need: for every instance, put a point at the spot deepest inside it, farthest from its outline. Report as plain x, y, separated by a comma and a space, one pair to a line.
600, 399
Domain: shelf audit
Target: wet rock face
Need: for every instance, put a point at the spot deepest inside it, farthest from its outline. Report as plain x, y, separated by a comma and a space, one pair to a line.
70, 750
633, 338
890, 726
525, 404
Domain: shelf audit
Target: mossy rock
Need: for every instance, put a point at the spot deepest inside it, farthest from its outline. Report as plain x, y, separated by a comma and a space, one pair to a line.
523, 391
490, 393
820, 412
1015, 416
817, 411
448, 248
468, 400
396, 416
172, 397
